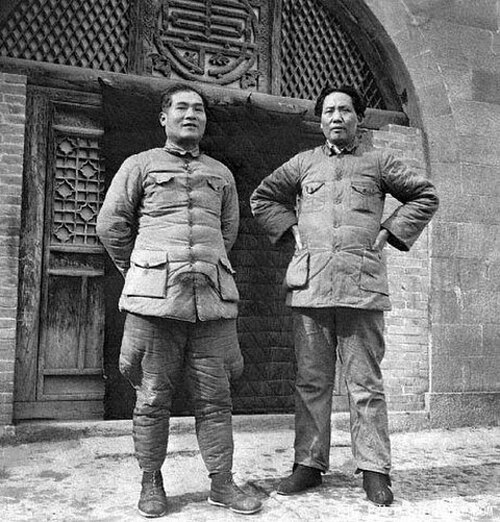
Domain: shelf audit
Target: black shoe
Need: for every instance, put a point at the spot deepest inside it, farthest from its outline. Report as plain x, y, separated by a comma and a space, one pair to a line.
302, 478
225, 493
153, 501
378, 488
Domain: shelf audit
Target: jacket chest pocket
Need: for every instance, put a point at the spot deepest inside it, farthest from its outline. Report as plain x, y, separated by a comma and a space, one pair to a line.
313, 196
213, 190
165, 189
365, 197
147, 275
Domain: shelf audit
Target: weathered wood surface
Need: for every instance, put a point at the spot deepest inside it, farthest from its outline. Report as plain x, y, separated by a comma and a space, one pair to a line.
87, 81
59, 410
61, 318
31, 247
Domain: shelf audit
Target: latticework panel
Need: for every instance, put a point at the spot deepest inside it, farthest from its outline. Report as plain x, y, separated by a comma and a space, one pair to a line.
89, 33
78, 191
316, 52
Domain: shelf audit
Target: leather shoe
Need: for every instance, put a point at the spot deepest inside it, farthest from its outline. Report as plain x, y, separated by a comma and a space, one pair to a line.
225, 493
153, 501
302, 478
378, 488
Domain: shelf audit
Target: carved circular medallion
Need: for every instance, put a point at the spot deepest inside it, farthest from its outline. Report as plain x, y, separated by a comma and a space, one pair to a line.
207, 40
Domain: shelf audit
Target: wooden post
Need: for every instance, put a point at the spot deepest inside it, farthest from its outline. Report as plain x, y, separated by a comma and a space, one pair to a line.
276, 48
31, 246
143, 21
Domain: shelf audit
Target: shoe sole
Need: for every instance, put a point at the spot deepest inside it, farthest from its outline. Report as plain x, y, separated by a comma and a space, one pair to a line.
146, 515
377, 503
239, 511
305, 490
286, 494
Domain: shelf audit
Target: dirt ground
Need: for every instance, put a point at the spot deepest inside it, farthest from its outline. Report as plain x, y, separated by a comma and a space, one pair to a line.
73, 472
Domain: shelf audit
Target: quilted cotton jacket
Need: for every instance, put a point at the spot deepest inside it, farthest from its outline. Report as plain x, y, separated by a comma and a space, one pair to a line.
337, 202
168, 222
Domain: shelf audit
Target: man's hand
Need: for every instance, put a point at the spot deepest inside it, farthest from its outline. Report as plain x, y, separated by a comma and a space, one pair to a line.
381, 240
296, 235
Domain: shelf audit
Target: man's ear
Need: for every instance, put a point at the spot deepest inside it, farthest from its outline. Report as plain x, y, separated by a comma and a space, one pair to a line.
360, 119
163, 118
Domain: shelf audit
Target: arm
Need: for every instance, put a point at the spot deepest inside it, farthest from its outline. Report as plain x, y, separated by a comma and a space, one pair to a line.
230, 217
419, 202
117, 220
273, 202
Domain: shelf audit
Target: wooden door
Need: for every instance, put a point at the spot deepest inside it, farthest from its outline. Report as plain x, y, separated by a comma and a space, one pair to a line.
60, 346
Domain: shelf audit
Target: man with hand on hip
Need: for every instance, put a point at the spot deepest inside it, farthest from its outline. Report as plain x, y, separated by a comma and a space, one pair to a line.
330, 200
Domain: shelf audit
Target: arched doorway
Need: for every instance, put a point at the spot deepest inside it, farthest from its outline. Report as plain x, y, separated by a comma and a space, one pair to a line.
309, 48
274, 51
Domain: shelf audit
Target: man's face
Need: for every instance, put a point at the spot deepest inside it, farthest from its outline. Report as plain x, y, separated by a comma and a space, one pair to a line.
339, 120
185, 120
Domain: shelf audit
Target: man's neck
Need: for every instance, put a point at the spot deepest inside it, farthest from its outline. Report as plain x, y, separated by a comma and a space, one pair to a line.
182, 147
339, 148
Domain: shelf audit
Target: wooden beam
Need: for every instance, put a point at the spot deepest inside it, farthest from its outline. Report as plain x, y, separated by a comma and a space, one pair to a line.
87, 80
59, 410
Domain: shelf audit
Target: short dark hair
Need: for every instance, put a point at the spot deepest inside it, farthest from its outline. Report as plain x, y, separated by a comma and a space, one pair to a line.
166, 97
357, 100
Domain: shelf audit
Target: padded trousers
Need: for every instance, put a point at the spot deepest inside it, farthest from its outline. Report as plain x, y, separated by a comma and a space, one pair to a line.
155, 354
356, 336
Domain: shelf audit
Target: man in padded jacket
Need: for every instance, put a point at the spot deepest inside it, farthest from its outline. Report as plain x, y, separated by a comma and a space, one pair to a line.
330, 200
168, 221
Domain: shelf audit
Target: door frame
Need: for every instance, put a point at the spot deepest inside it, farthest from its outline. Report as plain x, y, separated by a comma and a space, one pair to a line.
29, 399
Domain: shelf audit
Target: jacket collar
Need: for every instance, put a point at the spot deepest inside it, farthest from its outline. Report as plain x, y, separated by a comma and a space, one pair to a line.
179, 151
332, 149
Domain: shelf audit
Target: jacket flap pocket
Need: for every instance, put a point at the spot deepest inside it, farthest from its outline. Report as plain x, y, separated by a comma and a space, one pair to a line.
312, 187
373, 276
297, 274
148, 258
161, 176
216, 183
365, 189
147, 276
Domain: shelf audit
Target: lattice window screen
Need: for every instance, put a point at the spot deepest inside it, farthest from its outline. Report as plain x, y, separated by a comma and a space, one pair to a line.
88, 33
78, 191
315, 51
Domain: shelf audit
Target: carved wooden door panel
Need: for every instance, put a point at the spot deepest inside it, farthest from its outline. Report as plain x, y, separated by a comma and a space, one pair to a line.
62, 301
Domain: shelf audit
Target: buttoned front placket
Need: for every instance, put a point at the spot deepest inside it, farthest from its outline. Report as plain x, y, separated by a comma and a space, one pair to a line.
337, 200
188, 167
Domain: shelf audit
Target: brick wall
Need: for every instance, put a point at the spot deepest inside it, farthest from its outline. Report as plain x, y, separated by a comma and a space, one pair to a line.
466, 243
449, 50
12, 116
406, 364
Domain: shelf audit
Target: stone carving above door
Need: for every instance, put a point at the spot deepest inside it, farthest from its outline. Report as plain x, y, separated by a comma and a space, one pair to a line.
213, 41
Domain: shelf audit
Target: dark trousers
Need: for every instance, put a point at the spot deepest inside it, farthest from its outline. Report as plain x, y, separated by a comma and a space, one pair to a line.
357, 337
155, 353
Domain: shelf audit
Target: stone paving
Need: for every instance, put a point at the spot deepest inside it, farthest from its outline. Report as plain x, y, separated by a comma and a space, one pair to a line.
62, 473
